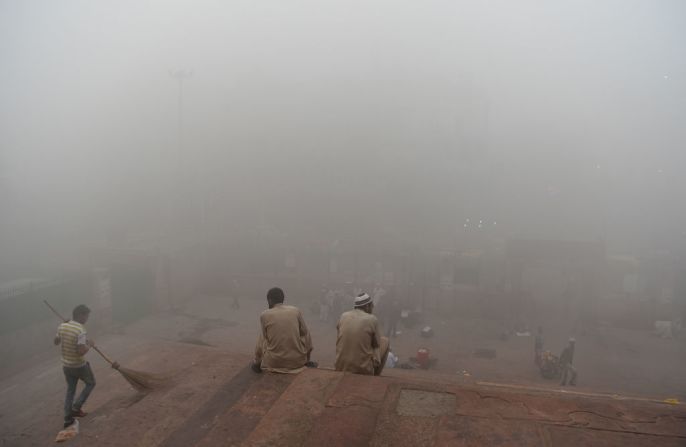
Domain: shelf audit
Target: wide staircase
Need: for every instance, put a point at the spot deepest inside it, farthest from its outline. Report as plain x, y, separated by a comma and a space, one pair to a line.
325, 408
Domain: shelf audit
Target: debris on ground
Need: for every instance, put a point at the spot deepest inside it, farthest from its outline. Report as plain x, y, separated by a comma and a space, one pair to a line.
427, 332
68, 433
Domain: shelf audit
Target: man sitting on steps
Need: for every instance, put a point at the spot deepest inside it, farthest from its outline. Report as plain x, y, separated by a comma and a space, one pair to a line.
360, 348
284, 344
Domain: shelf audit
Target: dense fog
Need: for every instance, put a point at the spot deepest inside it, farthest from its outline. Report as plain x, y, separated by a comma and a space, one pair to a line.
474, 188
385, 120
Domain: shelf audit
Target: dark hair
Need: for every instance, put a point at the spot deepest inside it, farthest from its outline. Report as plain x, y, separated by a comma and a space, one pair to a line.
81, 309
275, 295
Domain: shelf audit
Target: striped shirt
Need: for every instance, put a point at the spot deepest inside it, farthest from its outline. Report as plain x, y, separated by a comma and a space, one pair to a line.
71, 335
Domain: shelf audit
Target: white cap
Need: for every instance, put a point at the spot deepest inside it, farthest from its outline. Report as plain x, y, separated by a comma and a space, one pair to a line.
362, 300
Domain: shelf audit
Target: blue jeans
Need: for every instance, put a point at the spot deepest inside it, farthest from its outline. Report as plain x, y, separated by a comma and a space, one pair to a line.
72, 375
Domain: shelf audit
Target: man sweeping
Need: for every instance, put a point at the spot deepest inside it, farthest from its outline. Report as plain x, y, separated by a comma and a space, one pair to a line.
75, 344
284, 344
360, 348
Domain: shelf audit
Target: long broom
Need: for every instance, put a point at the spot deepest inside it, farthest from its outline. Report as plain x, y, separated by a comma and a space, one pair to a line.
139, 380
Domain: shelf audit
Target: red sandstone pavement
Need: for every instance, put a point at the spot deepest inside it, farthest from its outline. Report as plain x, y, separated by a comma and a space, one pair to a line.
215, 400
327, 408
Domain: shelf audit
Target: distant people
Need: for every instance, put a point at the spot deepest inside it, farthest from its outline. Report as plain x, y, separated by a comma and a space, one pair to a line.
394, 313
235, 294
378, 293
330, 297
75, 344
566, 359
336, 305
323, 304
538, 346
284, 344
360, 348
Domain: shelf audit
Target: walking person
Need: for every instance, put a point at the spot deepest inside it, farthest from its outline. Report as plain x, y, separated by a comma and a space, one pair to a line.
235, 294
378, 294
74, 342
325, 299
538, 346
566, 359
394, 313
336, 307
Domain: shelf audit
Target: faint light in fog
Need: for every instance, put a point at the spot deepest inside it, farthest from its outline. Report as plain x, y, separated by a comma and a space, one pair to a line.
665, 77
495, 223
597, 166
465, 225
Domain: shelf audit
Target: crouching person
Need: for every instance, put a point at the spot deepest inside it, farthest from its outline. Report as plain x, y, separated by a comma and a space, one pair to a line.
284, 344
360, 348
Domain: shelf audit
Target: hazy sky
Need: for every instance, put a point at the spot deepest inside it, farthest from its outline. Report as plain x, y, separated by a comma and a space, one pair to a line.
558, 119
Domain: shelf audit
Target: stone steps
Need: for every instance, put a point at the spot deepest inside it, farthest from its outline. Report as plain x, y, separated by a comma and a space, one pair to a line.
325, 408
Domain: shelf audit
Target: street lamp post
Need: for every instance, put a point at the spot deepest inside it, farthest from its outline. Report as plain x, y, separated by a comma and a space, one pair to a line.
180, 75
179, 171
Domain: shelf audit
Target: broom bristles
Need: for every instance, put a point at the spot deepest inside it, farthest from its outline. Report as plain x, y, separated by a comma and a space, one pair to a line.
143, 381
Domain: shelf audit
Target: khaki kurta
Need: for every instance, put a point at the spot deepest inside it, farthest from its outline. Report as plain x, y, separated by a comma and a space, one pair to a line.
284, 343
360, 349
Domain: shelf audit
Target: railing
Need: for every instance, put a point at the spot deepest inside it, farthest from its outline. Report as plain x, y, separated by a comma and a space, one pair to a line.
32, 285
21, 305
